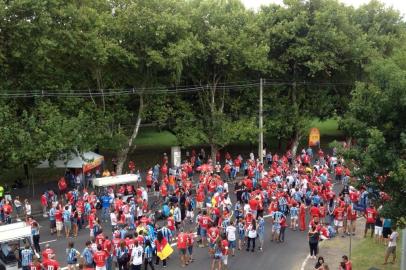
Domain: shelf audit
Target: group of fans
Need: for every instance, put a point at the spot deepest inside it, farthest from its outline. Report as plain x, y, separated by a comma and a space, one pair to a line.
196, 204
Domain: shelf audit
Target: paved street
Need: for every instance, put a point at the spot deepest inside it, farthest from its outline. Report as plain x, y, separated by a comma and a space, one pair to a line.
287, 255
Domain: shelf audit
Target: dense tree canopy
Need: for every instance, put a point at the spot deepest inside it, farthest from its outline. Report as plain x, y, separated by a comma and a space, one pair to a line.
76, 74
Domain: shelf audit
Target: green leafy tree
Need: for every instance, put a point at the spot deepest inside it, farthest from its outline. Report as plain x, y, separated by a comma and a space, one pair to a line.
314, 47
376, 118
223, 51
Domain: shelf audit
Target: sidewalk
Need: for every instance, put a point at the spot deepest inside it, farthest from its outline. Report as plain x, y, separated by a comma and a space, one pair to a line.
365, 253
332, 250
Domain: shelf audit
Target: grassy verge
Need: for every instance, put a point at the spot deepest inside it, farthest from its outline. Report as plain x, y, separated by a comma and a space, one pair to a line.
150, 137
367, 254
327, 127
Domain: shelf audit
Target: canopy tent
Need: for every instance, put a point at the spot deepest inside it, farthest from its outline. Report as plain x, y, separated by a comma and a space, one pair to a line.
115, 180
85, 161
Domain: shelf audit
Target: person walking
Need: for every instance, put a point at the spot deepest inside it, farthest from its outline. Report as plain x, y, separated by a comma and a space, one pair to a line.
231, 237
87, 255
27, 208
19, 208
160, 243
35, 236
148, 255
313, 237
72, 256
26, 257
252, 235
392, 246
136, 256
123, 256
217, 255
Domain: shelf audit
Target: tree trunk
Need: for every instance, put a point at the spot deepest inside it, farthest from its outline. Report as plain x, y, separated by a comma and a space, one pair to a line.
349, 142
213, 149
295, 143
122, 155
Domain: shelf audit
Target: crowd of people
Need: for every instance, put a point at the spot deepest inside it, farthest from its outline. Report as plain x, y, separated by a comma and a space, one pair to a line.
194, 205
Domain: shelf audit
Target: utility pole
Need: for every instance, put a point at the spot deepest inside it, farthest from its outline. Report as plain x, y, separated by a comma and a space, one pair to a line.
261, 123
403, 251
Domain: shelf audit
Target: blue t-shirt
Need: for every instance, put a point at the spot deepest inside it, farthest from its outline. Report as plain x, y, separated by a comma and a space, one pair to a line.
294, 211
66, 216
26, 257
165, 210
105, 201
387, 223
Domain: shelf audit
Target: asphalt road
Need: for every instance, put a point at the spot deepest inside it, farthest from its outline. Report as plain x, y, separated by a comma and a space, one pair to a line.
287, 255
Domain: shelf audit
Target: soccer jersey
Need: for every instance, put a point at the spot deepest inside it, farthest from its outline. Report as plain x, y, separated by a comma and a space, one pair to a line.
26, 257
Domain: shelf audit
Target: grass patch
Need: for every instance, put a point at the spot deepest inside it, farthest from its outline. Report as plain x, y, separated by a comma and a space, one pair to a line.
367, 254
327, 127
151, 137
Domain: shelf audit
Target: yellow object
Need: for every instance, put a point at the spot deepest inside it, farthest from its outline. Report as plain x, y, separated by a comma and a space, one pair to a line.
314, 137
141, 228
166, 252
1, 191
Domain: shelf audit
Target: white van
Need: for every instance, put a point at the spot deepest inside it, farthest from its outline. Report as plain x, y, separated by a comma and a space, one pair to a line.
12, 239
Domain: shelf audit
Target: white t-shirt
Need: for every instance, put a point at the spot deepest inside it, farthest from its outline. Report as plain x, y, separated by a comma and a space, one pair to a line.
113, 219
225, 186
392, 239
28, 209
230, 230
247, 208
137, 255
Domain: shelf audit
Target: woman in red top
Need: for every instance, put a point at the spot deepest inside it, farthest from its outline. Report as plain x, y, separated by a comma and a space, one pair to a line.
302, 217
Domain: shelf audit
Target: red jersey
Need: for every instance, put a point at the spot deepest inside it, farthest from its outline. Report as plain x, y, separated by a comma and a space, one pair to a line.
322, 211
190, 239
116, 244
107, 246
339, 213
100, 258
7, 209
224, 246
46, 253
35, 266
204, 222
351, 213
314, 211
58, 215
253, 204
100, 239
370, 214
213, 233
182, 240
171, 223
51, 264
130, 243
164, 190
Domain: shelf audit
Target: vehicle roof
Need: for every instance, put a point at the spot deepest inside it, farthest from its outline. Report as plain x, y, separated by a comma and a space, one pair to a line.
115, 180
14, 231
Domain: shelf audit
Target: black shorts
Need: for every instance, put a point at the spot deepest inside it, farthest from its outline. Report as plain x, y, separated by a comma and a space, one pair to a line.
386, 232
370, 226
52, 224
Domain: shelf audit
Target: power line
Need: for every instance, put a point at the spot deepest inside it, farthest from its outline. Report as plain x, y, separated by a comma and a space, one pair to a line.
233, 86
